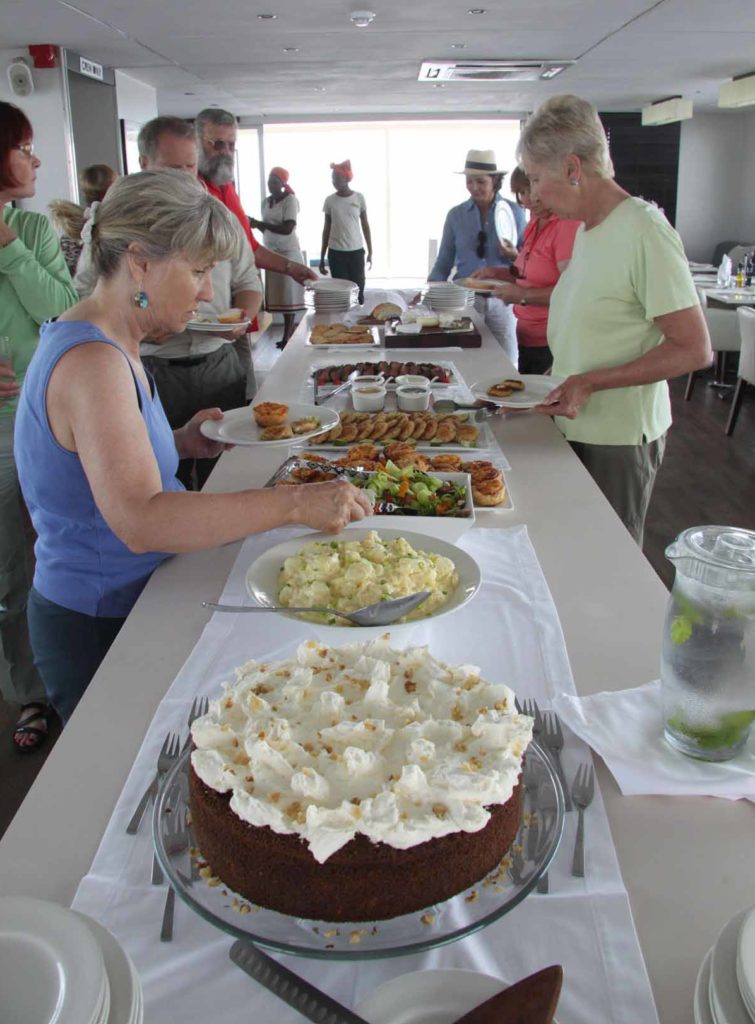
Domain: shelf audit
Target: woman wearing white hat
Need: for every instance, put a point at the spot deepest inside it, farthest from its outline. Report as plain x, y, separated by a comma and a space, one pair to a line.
471, 240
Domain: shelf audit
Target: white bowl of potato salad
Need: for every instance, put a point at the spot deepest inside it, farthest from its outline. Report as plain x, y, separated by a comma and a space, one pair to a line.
359, 567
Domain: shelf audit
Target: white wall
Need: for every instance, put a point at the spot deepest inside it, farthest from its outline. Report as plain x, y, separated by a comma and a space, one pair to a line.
45, 109
137, 101
716, 182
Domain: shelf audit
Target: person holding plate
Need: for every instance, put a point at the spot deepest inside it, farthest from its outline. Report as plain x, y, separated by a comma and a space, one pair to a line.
528, 283
196, 368
624, 316
470, 240
34, 285
96, 455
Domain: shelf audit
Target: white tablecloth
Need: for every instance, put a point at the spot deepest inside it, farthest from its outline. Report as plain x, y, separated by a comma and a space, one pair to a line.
511, 630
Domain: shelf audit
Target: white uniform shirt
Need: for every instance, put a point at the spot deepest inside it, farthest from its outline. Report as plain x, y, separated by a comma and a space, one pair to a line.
345, 225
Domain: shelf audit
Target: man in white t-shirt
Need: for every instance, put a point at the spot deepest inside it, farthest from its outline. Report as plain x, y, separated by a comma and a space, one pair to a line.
345, 222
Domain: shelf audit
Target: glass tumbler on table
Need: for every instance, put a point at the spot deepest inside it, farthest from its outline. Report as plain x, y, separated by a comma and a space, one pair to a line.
708, 654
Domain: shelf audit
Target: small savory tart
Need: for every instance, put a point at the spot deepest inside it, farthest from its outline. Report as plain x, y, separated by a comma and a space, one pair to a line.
270, 414
277, 432
303, 426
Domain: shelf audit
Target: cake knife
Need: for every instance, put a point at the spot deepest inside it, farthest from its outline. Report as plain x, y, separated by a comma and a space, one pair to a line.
309, 1001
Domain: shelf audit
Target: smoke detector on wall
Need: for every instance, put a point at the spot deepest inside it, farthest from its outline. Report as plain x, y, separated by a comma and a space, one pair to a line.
361, 19
491, 70
19, 78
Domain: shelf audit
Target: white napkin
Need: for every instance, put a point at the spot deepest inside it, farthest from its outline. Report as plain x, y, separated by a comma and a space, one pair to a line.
626, 729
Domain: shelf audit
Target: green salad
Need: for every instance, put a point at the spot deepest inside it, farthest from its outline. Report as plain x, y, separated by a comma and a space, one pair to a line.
418, 492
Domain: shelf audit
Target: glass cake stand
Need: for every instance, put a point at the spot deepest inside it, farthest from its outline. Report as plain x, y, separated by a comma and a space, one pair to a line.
467, 912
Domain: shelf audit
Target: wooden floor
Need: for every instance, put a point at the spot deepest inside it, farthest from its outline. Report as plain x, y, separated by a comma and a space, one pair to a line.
706, 477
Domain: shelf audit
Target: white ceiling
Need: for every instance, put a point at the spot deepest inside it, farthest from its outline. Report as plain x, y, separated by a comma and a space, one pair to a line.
196, 52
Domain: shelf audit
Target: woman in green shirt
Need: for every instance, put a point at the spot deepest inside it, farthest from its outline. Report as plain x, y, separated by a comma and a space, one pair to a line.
34, 286
624, 316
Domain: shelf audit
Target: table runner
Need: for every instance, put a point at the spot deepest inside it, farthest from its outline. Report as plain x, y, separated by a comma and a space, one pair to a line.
511, 631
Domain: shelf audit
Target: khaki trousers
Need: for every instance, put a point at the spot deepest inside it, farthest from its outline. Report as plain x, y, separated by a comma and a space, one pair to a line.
625, 473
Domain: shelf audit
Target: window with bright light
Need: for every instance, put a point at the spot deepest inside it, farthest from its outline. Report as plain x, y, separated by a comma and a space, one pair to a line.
406, 170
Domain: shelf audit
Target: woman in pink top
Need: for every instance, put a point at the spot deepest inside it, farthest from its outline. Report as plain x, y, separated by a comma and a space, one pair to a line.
545, 253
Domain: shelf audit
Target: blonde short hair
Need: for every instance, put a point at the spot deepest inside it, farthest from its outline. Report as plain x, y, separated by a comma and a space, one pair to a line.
561, 126
166, 214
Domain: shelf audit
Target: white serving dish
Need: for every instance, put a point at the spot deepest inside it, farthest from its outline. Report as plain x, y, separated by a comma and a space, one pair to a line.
350, 346
412, 378
413, 397
448, 528
368, 397
536, 387
262, 579
238, 426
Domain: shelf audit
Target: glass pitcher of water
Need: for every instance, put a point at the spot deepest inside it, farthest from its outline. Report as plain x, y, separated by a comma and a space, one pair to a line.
708, 656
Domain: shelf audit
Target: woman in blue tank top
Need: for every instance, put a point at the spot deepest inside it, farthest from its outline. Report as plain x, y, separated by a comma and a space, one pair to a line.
96, 456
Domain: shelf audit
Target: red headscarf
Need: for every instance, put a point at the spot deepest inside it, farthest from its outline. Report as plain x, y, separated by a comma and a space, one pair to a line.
282, 174
344, 169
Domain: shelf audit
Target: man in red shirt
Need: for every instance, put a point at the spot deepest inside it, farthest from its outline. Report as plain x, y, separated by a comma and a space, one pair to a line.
216, 133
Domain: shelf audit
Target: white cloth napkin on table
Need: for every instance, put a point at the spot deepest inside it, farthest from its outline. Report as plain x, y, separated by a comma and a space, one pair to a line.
626, 729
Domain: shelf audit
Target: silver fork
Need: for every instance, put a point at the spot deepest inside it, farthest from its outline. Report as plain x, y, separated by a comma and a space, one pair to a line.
531, 780
553, 738
199, 707
151, 791
531, 709
175, 828
546, 801
583, 790
168, 756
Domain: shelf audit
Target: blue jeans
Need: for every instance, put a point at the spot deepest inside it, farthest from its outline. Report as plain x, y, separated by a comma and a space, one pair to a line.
68, 648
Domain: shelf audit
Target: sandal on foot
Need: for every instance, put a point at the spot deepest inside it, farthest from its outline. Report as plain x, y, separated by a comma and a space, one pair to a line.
38, 712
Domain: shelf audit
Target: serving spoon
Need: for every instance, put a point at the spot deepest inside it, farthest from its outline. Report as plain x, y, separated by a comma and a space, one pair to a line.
445, 406
381, 614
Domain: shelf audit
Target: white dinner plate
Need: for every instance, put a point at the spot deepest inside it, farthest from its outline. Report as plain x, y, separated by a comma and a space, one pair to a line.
51, 966
481, 286
126, 1001
701, 999
262, 580
428, 997
536, 387
726, 1001
238, 426
215, 326
746, 960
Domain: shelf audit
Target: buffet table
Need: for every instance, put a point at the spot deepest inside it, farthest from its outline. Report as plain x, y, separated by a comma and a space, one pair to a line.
686, 863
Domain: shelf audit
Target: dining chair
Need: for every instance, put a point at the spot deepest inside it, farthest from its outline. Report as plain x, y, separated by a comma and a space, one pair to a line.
746, 372
724, 337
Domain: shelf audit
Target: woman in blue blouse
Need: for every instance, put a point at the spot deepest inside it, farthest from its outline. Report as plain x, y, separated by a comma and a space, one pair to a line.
471, 240
96, 456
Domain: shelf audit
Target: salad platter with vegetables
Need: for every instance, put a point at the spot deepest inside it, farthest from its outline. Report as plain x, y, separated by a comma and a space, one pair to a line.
442, 500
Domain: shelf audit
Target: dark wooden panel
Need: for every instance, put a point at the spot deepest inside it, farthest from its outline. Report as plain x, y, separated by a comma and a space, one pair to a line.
646, 160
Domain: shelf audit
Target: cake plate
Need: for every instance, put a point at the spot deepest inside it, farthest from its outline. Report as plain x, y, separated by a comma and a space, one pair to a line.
467, 912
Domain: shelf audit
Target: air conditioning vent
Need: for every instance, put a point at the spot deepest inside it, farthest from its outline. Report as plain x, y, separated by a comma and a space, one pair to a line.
491, 70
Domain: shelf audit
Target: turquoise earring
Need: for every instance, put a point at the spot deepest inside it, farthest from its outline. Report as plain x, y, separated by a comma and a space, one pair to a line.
141, 300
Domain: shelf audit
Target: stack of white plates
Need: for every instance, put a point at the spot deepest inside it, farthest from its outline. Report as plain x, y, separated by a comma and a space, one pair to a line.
725, 989
60, 966
442, 296
332, 295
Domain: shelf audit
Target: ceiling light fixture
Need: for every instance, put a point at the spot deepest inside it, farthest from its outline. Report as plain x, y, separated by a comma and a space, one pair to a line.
267, 17
477, 10
291, 49
458, 46
361, 19
666, 111
552, 70
739, 92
